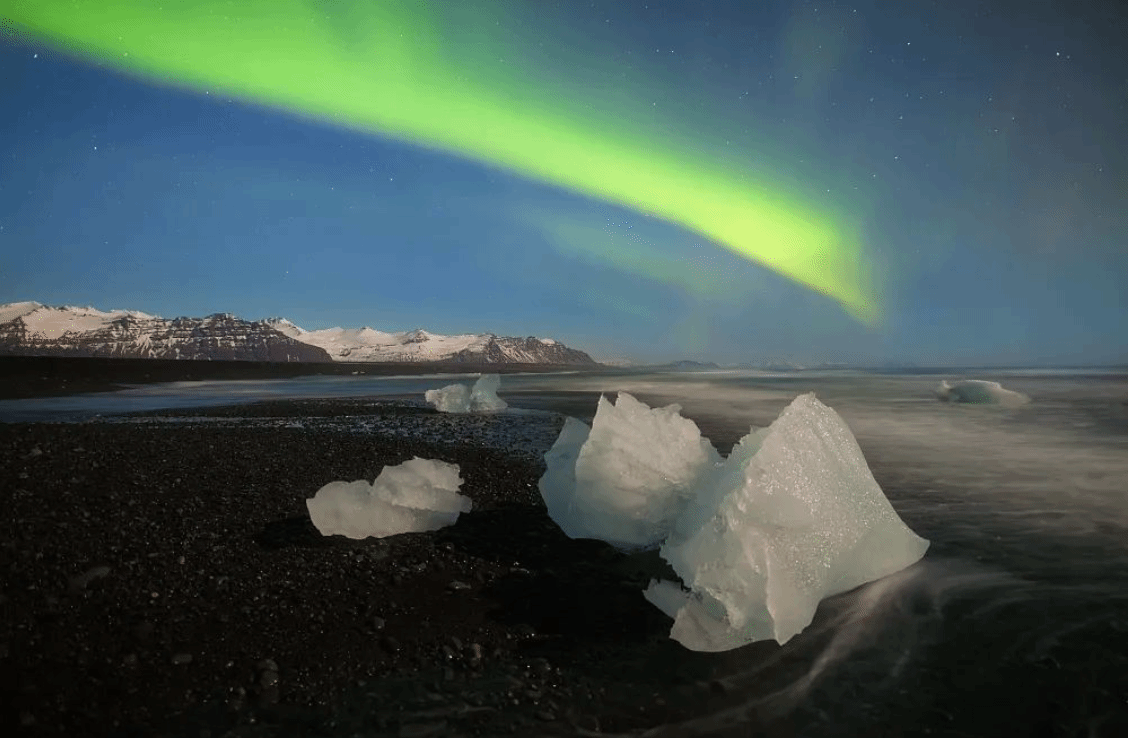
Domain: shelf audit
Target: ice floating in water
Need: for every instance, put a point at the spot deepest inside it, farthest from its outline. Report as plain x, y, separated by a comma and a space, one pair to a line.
628, 477
458, 398
979, 392
417, 495
791, 517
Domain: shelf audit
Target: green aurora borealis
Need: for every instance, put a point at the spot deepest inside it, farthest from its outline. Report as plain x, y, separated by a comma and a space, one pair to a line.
393, 69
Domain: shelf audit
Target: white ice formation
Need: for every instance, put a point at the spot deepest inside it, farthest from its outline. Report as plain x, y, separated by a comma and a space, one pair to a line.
458, 398
417, 495
979, 392
628, 477
792, 516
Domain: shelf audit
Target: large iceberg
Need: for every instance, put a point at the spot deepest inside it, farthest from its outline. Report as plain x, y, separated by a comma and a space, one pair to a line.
628, 477
792, 516
979, 392
417, 495
458, 398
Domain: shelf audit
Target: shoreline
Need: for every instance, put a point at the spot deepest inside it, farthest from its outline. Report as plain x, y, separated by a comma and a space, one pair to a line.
164, 578
26, 377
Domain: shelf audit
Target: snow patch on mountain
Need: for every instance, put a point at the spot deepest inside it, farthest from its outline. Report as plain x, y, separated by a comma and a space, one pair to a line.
14, 310
50, 323
370, 345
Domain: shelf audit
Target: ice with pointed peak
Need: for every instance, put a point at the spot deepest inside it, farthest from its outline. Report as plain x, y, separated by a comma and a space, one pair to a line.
628, 477
458, 398
417, 495
979, 392
483, 396
792, 516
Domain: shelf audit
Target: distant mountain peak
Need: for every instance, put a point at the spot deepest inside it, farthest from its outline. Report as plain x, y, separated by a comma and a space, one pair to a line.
33, 328
87, 331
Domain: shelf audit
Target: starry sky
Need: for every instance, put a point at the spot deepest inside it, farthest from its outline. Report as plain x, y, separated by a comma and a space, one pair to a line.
960, 169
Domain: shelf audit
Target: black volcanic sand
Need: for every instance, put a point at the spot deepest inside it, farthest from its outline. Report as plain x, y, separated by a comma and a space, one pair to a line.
165, 579
48, 376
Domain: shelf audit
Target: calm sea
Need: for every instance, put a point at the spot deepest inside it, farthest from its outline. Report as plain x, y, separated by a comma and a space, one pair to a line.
1015, 622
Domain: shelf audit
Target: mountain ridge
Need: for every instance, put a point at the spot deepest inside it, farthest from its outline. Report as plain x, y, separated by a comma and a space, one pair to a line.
34, 329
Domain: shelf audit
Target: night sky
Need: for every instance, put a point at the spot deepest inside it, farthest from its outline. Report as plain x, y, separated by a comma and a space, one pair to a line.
974, 152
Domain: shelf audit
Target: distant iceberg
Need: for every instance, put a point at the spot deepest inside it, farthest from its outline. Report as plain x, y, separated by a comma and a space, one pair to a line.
979, 392
791, 517
417, 495
458, 398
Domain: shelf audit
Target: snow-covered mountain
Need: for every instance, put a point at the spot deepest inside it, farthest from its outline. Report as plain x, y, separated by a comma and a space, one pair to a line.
369, 344
30, 328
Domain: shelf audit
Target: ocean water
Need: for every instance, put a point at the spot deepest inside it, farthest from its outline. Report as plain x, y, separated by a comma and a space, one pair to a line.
1014, 623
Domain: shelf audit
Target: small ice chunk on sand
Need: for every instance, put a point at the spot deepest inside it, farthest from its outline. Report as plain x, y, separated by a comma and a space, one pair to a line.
458, 398
628, 477
417, 495
483, 397
454, 398
792, 517
979, 392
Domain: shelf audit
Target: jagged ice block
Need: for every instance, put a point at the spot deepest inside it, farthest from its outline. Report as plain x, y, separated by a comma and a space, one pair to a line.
417, 495
792, 516
458, 398
628, 477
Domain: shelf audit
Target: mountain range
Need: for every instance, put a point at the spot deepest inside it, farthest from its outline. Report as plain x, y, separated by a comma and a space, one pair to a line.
33, 329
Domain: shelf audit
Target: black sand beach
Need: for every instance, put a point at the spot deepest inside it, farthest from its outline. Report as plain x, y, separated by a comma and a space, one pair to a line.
164, 579
161, 577
47, 376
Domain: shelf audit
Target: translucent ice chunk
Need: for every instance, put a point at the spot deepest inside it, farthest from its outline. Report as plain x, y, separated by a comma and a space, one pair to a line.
417, 495
454, 398
458, 398
793, 516
627, 478
483, 397
979, 392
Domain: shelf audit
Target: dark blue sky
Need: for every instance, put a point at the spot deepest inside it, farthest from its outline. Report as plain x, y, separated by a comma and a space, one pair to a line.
980, 147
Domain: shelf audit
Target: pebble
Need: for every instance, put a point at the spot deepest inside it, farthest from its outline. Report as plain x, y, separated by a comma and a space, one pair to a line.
238, 698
